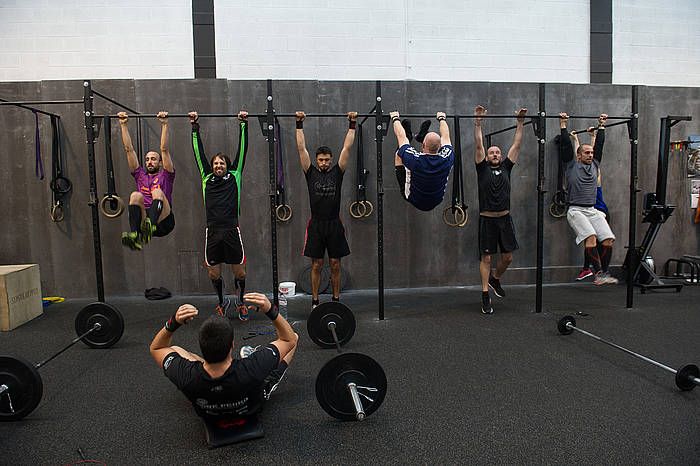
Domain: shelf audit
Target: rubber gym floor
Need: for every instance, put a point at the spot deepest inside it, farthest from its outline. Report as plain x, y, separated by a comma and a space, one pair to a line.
463, 388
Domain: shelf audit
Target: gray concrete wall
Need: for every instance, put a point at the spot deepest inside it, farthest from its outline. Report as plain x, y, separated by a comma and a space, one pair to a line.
420, 250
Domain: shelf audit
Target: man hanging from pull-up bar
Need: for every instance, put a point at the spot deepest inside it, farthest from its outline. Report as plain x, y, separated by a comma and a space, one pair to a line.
221, 188
325, 231
422, 176
150, 212
496, 230
588, 223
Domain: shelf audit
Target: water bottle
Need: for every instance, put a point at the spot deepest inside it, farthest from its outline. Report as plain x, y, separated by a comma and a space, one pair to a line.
283, 305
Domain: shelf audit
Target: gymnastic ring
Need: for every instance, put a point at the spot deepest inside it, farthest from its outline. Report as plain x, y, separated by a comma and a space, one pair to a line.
61, 185
559, 198
458, 214
370, 208
358, 209
106, 206
557, 210
283, 212
466, 216
57, 213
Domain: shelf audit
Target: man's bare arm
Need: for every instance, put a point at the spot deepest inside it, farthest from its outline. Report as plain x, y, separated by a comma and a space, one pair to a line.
347, 143
479, 151
126, 141
304, 157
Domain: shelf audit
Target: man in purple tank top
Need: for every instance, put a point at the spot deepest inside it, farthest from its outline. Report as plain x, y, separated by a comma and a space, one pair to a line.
150, 206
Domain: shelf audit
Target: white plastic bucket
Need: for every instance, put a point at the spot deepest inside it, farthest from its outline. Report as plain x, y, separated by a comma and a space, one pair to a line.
288, 288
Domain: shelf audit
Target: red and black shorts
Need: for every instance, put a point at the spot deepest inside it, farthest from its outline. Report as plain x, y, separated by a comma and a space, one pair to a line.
322, 235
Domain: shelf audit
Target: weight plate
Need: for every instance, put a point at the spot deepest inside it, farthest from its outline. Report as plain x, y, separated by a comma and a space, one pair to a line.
331, 385
24, 388
561, 325
110, 320
332, 311
685, 376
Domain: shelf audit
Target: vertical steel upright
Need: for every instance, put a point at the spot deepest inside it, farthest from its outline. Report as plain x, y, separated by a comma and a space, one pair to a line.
379, 138
270, 136
90, 141
633, 190
541, 139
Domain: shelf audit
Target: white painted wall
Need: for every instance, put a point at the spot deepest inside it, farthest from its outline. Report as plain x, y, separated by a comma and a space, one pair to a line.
656, 43
97, 39
454, 40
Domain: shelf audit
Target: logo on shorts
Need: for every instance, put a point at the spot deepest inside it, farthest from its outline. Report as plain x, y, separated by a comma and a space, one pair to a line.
167, 362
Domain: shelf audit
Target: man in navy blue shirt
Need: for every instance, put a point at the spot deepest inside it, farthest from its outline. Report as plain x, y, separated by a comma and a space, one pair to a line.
422, 176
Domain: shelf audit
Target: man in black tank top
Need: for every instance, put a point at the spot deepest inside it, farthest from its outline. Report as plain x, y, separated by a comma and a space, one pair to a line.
496, 230
325, 231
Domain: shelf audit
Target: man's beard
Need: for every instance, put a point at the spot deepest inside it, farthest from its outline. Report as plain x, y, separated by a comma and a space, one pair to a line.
152, 170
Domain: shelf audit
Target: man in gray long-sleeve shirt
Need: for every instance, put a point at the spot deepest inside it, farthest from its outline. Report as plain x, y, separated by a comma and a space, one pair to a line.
582, 180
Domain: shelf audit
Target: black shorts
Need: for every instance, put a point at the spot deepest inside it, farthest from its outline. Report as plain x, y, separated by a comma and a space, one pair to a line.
165, 226
224, 246
322, 235
496, 234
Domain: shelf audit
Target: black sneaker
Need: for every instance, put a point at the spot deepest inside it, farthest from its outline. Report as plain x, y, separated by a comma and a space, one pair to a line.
424, 127
272, 381
407, 127
495, 285
486, 304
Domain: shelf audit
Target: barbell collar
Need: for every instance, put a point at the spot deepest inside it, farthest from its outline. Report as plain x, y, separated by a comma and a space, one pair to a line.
352, 388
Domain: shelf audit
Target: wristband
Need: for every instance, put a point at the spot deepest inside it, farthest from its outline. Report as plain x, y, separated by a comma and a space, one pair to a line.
272, 313
353, 124
171, 325
300, 124
393, 119
441, 119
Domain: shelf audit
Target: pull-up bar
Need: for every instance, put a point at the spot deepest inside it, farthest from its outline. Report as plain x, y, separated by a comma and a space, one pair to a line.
30, 108
579, 131
42, 102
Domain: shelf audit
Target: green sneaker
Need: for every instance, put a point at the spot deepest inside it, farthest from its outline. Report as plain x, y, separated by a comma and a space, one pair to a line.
131, 240
147, 230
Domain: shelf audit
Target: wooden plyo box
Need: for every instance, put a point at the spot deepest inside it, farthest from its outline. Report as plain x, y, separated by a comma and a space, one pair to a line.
20, 295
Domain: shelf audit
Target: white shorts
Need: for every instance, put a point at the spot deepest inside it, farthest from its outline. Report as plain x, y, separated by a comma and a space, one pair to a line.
588, 221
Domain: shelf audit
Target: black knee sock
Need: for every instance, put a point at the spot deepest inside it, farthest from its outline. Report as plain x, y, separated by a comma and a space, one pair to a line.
401, 179
424, 127
605, 256
586, 263
219, 287
155, 210
240, 284
134, 217
593, 258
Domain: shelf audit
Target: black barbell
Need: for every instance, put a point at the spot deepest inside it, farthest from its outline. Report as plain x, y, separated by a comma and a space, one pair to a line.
686, 377
98, 325
350, 386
